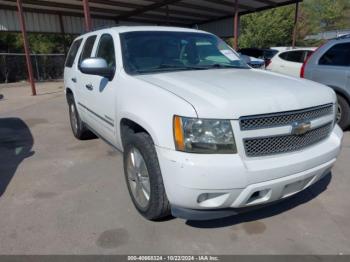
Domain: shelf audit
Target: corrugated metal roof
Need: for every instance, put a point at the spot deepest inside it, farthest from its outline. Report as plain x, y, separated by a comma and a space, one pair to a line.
44, 15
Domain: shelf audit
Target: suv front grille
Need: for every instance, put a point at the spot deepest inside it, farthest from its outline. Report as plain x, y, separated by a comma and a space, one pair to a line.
264, 146
284, 118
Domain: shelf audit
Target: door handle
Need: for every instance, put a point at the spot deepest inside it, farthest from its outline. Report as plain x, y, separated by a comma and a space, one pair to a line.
74, 79
89, 87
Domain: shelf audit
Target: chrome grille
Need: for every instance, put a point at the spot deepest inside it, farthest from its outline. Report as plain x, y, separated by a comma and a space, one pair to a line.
284, 118
264, 146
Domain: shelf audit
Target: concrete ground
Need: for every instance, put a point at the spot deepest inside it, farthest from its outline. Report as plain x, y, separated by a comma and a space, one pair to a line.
59, 195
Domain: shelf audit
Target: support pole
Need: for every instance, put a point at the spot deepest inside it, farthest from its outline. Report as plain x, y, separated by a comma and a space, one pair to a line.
296, 18
62, 34
87, 17
26, 46
235, 26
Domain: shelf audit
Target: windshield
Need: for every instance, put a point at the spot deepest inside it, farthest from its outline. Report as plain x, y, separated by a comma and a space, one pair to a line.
149, 52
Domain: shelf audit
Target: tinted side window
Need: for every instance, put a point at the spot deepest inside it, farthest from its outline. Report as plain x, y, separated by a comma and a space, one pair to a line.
89, 44
106, 50
296, 56
284, 56
338, 55
293, 56
72, 53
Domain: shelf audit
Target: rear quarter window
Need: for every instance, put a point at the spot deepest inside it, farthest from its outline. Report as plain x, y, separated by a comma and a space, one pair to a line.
293, 56
73, 53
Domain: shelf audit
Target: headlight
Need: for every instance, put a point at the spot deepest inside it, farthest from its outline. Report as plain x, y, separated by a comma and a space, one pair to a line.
203, 136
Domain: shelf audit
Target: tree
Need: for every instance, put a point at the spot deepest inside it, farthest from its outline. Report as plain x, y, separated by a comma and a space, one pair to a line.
325, 15
267, 28
274, 27
320, 16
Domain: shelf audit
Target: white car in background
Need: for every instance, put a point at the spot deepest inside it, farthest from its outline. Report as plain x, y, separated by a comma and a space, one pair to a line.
289, 62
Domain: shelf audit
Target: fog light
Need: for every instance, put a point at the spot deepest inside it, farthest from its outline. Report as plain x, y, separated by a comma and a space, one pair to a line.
202, 197
206, 196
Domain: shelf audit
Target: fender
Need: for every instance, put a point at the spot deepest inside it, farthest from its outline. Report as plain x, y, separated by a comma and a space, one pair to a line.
342, 92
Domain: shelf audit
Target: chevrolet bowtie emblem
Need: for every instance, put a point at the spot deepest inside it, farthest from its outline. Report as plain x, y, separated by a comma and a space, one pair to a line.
300, 128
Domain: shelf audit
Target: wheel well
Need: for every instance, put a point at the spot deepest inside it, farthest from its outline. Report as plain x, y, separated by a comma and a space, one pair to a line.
341, 92
135, 127
68, 92
129, 125
343, 96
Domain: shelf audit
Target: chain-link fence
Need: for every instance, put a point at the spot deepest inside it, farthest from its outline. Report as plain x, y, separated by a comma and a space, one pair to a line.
45, 67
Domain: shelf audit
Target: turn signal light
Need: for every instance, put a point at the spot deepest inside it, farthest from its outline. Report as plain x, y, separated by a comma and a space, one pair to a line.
178, 134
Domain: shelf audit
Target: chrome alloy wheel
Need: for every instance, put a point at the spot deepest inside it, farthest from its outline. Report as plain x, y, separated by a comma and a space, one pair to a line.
138, 177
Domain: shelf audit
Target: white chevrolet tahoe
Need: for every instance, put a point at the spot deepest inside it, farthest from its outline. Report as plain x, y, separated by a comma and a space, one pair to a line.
203, 135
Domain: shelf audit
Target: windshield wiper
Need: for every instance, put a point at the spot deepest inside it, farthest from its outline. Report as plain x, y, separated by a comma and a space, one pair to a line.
168, 67
224, 66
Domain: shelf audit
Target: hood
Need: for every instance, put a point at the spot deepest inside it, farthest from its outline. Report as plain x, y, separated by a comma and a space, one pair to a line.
232, 93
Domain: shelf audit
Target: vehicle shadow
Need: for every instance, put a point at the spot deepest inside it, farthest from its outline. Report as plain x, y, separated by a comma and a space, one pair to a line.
267, 211
16, 142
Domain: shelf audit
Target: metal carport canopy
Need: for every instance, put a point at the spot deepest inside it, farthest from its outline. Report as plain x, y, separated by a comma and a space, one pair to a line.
186, 13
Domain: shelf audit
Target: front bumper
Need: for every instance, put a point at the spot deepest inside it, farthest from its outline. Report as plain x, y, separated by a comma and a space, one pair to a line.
211, 182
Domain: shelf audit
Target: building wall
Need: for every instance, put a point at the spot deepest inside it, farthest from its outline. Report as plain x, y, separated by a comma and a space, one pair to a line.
48, 23
222, 28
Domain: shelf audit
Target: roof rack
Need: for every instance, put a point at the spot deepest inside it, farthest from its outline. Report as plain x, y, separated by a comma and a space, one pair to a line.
347, 36
100, 27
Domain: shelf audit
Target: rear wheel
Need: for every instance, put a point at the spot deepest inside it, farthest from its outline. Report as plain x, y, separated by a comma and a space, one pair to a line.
143, 176
343, 113
78, 128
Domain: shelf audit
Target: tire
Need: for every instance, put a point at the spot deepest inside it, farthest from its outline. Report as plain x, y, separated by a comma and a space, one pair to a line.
343, 112
157, 206
78, 128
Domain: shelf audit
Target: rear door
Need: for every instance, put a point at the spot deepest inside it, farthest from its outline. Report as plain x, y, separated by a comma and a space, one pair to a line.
82, 80
70, 76
333, 67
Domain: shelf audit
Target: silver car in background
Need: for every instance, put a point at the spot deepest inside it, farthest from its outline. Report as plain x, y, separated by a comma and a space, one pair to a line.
330, 65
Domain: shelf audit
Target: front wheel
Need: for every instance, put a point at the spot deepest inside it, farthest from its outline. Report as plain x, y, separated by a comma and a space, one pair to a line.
143, 176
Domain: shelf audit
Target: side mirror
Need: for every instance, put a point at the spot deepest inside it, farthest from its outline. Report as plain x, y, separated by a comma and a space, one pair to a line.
96, 66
